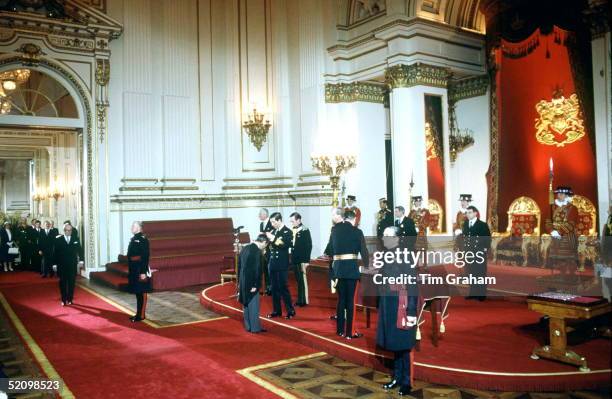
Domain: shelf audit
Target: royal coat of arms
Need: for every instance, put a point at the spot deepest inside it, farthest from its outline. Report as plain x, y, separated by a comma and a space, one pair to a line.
560, 121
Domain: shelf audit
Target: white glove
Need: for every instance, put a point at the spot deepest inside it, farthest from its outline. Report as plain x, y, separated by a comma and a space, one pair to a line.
55, 268
458, 232
417, 229
411, 320
555, 234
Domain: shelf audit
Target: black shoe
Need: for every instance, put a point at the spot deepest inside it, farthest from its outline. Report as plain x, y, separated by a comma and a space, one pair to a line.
268, 292
390, 385
44, 276
135, 319
340, 334
273, 315
263, 330
356, 335
405, 390
333, 317
481, 298
290, 315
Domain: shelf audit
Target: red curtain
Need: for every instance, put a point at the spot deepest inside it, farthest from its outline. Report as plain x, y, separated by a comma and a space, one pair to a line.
531, 71
435, 183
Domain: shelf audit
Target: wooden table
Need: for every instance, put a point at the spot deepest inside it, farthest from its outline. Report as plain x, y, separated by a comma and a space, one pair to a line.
560, 308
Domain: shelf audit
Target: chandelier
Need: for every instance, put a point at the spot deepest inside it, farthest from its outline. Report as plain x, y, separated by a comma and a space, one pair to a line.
459, 139
257, 127
9, 81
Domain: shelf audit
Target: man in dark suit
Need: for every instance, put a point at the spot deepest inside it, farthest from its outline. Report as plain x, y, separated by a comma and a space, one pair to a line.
46, 243
75, 231
249, 280
36, 252
347, 241
477, 240
265, 226
301, 247
66, 257
280, 242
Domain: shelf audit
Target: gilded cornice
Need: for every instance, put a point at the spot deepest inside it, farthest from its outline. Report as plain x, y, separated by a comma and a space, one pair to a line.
467, 88
417, 74
356, 91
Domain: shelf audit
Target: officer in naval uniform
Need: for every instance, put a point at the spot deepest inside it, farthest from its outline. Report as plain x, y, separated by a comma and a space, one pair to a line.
301, 248
384, 217
405, 225
347, 241
280, 242
477, 240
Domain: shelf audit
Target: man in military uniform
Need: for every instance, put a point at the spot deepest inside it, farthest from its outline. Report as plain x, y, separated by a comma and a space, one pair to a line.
67, 252
350, 206
347, 241
301, 248
280, 242
405, 225
139, 274
384, 218
265, 226
465, 200
477, 238
563, 249
460, 218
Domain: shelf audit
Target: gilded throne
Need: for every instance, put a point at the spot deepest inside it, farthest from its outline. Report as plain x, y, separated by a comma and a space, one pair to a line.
521, 235
436, 216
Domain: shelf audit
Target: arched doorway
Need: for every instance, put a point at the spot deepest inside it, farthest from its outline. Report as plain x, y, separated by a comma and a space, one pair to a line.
49, 114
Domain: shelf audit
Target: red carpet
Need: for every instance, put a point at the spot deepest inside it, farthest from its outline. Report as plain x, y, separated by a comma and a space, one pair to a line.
100, 354
486, 345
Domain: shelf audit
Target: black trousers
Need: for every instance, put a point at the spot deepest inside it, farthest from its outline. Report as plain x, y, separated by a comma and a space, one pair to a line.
401, 367
266, 272
478, 270
346, 306
141, 304
280, 290
66, 284
46, 267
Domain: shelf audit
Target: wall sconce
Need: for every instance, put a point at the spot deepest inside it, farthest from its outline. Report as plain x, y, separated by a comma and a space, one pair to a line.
39, 195
56, 192
257, 127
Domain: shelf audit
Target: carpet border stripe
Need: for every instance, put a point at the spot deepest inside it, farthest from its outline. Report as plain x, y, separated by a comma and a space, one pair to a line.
146, 321
248, 373
35, 349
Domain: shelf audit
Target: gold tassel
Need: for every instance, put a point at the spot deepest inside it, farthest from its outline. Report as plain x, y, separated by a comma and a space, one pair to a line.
418, 333
442, 327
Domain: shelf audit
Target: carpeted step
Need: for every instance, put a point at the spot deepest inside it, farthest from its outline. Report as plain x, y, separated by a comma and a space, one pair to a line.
177, 228
120, 269
177, 245
110, 279
189, 260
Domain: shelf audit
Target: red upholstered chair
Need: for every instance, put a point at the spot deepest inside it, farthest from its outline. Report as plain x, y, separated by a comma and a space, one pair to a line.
436, 216
586, 232
521, 235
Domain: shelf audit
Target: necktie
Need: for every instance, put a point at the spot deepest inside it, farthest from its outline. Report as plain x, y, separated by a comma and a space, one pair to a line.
67, 239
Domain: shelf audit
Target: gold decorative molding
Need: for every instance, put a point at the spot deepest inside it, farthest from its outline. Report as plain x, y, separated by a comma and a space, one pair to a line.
102, 79
357, 91
418, 74
467, 88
